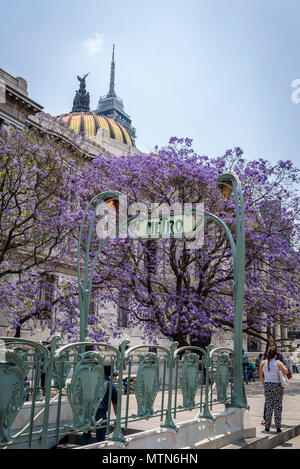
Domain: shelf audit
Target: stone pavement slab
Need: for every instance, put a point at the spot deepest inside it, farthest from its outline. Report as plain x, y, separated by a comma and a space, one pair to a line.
294, 443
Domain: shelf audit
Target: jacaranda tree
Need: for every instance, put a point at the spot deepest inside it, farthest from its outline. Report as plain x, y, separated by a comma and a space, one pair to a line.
166, 287
40, 189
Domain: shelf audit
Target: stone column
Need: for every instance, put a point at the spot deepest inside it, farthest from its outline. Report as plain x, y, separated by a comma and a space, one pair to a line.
284, 334
277, 334
264, 334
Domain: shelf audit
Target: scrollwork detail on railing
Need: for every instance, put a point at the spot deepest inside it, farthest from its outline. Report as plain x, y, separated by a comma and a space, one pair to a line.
190, 379
23, 355
86, 390
12, 393
61, 369
222, 377
147, 383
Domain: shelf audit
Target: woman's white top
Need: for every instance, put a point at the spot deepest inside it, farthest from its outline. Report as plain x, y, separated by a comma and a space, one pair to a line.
271, 376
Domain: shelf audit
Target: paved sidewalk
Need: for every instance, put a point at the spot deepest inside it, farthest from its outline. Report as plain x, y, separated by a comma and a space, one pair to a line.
255, 398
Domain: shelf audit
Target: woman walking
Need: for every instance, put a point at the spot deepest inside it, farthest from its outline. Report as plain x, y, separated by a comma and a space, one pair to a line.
269, 376
280, 356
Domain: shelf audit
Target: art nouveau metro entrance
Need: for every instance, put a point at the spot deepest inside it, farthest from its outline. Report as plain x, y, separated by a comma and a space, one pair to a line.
164, 385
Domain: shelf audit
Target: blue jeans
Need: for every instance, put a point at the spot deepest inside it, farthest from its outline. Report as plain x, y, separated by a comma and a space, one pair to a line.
100, 432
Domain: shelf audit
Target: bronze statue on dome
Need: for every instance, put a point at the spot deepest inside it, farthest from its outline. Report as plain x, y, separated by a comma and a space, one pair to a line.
81, 101
82, 80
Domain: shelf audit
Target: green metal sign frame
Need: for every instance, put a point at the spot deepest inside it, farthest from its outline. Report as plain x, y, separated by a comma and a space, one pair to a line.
85, 281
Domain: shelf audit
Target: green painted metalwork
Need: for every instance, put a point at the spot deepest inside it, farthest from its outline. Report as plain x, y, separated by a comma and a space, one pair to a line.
86, 390
87, 386
22, 354
190, 379
48, 365
238, 252
61, 369
117, 434
147, 383
207, 362
12, 393
85, 286
87, 372
222, 377
231, 180
171, 360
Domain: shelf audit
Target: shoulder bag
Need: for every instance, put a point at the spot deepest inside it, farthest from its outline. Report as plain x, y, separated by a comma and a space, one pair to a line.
283, 378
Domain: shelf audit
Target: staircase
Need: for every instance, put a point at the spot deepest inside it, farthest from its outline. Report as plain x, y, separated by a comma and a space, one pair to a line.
73, 440
257, 442
265, 441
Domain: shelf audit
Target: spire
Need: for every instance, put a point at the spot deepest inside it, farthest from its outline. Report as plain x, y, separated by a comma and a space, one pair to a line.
112, 76
112, 106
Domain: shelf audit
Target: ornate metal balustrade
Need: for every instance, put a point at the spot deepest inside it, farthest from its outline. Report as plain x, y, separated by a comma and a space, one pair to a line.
151, 384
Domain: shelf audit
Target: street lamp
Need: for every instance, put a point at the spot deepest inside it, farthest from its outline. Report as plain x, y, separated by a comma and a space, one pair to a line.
226, 187
85, 282
229, 183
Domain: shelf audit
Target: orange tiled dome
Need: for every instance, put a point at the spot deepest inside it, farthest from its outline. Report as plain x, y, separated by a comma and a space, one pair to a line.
89, 123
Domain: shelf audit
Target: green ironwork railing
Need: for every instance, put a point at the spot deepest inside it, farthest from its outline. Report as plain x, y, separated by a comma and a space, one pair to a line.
150, 385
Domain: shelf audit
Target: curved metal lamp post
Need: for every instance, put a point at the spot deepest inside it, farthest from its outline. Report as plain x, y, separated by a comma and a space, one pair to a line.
85, 285
229, 183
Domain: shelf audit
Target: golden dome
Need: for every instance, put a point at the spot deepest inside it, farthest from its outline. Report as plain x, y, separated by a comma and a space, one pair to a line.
89, 123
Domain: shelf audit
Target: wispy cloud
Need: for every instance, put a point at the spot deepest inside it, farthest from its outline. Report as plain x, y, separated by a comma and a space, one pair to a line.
94, 44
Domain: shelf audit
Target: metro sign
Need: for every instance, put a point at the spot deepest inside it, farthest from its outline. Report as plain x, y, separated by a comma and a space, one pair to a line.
164, 225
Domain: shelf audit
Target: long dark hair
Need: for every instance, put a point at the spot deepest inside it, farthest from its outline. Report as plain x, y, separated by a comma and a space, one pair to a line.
271, 353
270, 344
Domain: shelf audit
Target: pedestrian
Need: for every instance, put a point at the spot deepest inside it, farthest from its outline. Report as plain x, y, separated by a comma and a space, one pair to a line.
294, 365
257, 363
103, 409
126, 385
245, 365
251, 371
273, 390
279, 356
258, 360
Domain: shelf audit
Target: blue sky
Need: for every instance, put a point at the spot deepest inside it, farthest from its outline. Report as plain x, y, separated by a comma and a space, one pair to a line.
216, 71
